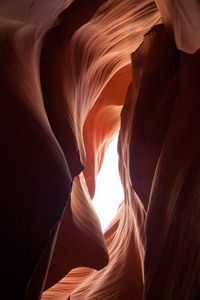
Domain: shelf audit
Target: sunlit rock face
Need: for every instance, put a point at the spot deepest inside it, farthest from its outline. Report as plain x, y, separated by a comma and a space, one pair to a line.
73, 73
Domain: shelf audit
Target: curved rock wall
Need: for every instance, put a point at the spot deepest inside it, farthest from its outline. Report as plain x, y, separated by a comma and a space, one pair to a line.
73, 74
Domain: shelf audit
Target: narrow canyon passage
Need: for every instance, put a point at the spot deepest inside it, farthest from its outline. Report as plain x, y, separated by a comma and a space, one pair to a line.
75, 75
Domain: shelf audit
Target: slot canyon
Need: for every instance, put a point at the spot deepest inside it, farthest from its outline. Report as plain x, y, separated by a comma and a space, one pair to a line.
73, 74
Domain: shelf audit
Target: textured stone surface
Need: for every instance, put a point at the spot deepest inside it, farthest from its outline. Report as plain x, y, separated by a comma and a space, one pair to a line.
73, 73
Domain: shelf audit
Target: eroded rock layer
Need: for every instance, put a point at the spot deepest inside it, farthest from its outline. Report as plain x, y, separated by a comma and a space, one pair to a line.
73, 74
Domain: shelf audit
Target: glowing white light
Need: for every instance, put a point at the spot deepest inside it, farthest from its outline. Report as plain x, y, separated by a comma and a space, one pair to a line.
109, 192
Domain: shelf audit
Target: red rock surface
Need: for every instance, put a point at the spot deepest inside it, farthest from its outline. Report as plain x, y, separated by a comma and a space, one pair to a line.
73, 73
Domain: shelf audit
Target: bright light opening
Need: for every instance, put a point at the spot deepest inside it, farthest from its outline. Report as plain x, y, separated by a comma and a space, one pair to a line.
109, 191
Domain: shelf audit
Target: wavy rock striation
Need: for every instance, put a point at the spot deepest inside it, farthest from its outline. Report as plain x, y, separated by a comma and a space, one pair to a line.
73, 74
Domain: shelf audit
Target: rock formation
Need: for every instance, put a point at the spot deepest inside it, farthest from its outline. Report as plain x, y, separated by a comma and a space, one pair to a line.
73, 74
